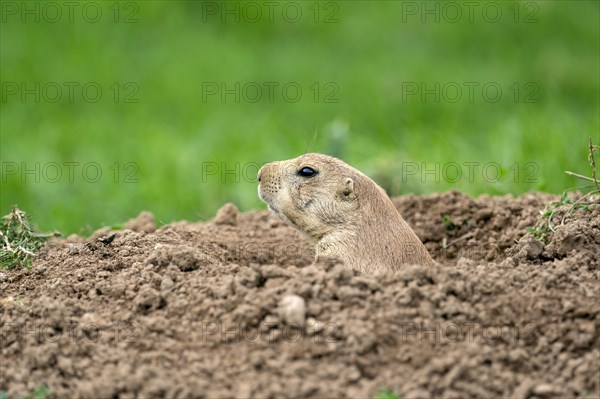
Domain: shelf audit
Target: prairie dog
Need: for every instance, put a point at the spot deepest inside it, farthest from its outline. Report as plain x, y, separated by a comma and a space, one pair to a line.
345, 212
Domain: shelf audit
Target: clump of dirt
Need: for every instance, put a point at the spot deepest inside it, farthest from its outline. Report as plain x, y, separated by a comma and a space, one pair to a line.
236, 307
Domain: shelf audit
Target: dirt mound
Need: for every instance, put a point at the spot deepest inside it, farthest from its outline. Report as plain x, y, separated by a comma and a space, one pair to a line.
235, 307
453, 225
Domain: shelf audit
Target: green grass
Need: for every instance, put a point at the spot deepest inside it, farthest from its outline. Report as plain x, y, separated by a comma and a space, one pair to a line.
18, 242
363, 61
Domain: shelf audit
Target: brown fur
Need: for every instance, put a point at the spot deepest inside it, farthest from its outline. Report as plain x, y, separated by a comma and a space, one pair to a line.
347, 214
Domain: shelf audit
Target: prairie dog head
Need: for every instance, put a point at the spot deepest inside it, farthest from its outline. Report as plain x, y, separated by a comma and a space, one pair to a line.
315, 193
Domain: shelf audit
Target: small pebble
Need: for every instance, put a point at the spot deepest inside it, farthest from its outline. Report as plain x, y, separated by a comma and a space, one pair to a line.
292, 310
166, 284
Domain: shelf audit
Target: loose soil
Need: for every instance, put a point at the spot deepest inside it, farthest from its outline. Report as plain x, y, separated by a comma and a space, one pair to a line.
195, 310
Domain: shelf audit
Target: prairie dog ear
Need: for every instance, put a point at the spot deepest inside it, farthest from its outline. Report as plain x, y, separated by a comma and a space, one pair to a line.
348, 189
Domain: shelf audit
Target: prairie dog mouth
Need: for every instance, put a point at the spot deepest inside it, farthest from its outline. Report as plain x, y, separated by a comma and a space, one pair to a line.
264, 198
263, 195
274, 209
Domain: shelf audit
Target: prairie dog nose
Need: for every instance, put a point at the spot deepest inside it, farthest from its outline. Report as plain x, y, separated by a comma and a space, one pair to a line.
264, 171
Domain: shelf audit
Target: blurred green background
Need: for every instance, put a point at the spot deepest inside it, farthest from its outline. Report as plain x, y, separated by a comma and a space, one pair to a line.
195, 95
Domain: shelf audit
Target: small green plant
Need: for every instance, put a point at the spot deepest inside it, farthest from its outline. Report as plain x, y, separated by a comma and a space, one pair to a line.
544, 226
41, 393
450, 225
592, 149
541, 230
18, 242
387, 394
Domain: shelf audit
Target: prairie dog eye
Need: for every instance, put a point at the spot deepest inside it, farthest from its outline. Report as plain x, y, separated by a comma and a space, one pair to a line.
307, 172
